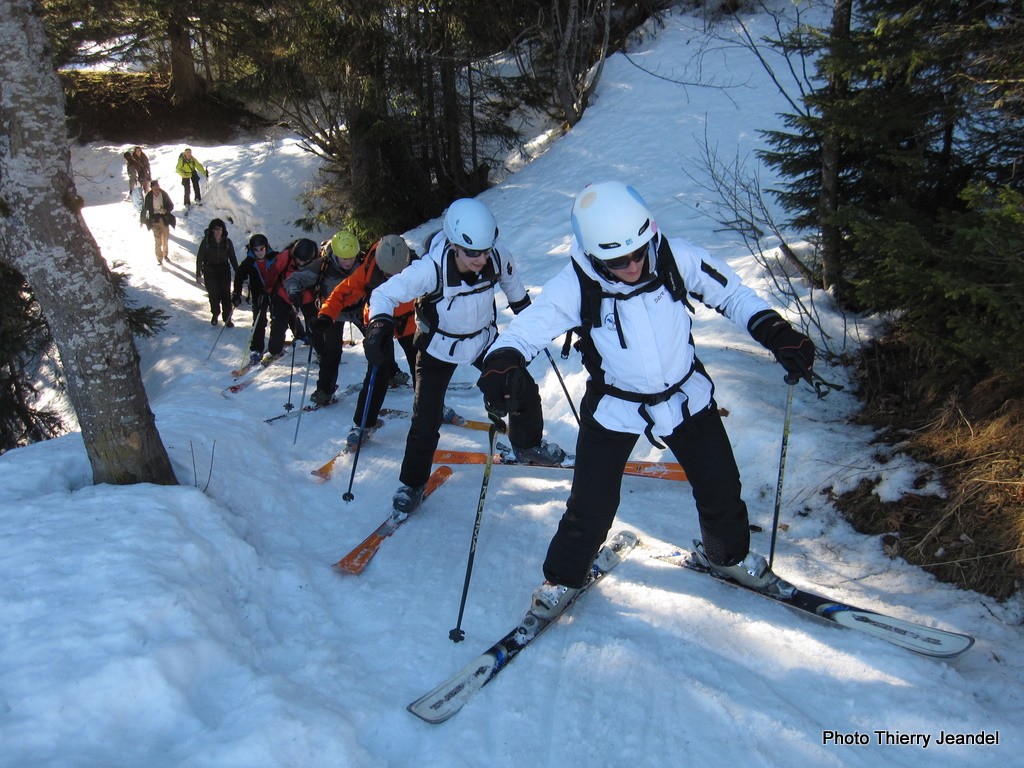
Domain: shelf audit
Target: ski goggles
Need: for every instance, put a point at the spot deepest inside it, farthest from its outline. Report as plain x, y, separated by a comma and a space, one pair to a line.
624, 262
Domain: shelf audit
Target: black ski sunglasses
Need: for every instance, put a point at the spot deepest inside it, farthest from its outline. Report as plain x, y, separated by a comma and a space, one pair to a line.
623, 262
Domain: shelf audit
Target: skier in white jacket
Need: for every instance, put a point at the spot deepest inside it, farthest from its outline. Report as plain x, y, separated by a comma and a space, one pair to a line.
628, 288
453, 285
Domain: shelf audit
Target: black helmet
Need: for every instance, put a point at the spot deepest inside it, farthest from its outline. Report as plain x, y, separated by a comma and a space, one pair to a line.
304, 250
259, 241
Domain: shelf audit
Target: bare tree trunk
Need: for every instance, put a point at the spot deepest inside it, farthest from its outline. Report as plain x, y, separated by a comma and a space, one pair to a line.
574, 33
185, 83
828, 200
43, 236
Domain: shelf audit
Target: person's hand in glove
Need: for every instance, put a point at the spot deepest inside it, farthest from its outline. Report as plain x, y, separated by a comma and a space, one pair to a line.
322, 323
503, 381
295, 299
236, 300
377, 344
793, 350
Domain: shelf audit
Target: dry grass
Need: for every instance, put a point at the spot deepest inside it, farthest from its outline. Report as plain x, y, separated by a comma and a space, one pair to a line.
974, 439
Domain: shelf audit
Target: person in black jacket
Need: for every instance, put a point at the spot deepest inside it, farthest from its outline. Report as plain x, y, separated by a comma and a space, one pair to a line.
251, 271
215, 264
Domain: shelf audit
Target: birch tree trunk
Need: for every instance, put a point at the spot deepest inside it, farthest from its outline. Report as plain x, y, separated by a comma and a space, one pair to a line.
43, 236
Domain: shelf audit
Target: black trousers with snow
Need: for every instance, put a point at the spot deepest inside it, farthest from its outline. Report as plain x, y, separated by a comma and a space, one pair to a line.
329, 346
701, 446
432, 377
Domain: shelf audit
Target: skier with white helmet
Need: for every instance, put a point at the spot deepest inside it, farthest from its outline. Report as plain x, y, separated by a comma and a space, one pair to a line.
453, 285
628, 290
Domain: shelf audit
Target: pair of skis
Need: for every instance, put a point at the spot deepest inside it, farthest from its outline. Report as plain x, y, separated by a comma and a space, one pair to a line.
455, 692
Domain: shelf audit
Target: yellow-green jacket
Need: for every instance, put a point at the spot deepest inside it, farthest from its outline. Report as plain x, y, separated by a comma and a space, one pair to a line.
186, 167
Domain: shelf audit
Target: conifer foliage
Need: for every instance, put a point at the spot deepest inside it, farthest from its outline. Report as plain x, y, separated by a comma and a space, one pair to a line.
921, 101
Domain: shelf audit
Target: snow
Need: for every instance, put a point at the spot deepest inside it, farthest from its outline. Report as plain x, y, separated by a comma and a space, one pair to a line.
202, 625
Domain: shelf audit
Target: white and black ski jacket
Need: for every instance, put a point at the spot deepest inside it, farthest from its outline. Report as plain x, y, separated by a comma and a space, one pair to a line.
455, 319
643, 342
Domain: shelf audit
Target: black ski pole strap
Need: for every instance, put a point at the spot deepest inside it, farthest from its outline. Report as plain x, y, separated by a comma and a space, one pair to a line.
566, 345
498, 421
821, 387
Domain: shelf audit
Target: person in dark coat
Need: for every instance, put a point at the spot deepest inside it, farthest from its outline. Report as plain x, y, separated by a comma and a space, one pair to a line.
215, 265
139, 174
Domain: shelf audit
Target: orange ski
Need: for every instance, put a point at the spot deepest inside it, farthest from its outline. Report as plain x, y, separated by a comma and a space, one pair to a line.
663, 470
356, 560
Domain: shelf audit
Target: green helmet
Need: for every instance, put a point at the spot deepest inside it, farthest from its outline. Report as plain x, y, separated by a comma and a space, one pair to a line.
344, 245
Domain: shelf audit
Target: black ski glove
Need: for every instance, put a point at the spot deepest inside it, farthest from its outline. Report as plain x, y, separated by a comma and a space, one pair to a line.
377, 345
503, 381
236, 300
295, 299
322, 323
793, 350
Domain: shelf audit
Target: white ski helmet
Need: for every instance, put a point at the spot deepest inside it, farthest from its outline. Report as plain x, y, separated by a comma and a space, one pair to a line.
610, 219
470, 224
392, 254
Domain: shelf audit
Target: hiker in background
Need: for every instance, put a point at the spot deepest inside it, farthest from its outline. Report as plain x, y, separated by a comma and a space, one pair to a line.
307, 287
139, 174
189, 169
156, 214
249, 272
215, 264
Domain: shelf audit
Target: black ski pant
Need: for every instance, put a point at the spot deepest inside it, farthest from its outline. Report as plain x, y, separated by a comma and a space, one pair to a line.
328, 345
281, 317
218, 291
701, 446
432, 377
192, 181
380, 384
259, 323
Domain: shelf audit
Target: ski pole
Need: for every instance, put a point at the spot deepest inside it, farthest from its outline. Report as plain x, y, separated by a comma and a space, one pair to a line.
291, 375
302, 402
497, 425
347, 496
215, 342
564, 388
791, 381
252, 335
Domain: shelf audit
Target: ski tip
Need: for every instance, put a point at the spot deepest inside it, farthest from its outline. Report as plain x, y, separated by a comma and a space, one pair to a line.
626, 538
347, 568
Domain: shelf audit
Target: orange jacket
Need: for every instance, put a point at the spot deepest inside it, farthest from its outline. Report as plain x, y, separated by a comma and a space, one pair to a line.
358, 286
